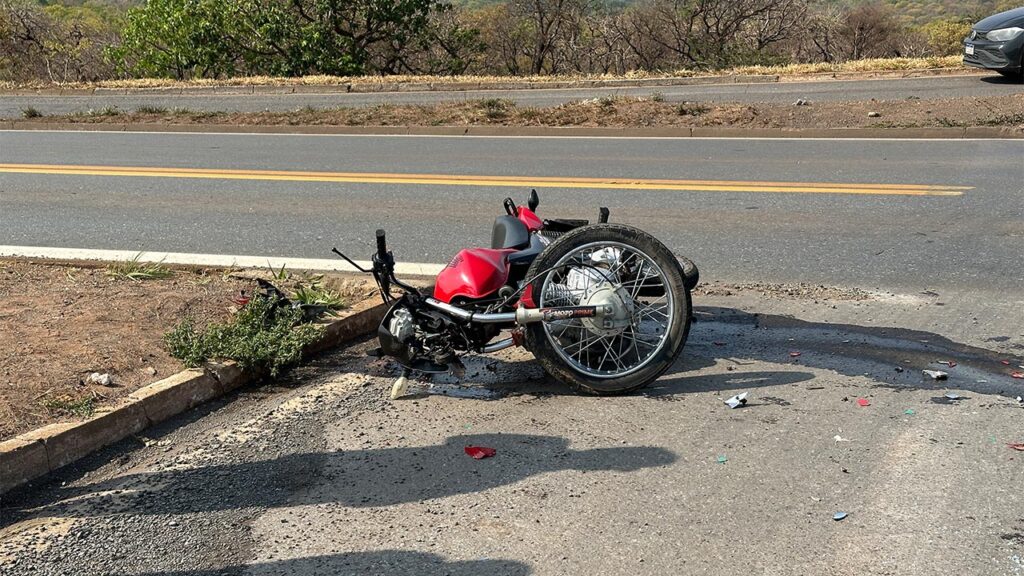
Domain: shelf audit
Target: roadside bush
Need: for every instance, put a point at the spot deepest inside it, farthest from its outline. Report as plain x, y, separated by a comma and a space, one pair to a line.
945, 37
261, 336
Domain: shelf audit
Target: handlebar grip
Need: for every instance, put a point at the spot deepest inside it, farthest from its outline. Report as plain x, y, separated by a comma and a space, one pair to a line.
382, 244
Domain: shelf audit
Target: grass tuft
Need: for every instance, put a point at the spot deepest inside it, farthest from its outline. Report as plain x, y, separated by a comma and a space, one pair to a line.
313, 292
69, 406
31, 112
151, 110
137, 271
262, 336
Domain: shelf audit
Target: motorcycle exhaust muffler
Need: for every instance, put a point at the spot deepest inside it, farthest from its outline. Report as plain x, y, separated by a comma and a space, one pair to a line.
522, 315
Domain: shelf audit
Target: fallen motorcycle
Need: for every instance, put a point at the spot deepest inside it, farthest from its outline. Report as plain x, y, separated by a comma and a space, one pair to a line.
605, 308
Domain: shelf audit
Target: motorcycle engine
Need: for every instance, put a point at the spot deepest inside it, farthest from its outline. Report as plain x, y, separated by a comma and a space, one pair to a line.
422, 339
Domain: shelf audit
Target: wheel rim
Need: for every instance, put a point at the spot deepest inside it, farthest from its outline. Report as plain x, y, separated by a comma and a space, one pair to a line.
615, 353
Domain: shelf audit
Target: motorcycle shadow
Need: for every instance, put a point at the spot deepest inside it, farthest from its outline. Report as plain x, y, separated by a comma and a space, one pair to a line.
362, 478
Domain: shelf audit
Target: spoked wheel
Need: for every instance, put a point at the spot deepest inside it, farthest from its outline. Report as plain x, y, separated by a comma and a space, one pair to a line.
641, 281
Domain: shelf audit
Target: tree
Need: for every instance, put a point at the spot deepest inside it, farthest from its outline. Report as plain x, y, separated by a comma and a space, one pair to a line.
212, 38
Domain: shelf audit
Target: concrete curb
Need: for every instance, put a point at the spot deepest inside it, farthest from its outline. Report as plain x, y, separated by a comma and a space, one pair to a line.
973, 132
36, 453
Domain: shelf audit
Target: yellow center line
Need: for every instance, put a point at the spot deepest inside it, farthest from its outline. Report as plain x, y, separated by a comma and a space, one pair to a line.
474, 180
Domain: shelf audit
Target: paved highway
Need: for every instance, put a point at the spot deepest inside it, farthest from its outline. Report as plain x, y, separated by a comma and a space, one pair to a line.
908, 215
11, 106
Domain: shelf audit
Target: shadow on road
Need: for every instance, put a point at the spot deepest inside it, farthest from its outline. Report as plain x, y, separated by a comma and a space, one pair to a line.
357, 478
999, 79
390, 562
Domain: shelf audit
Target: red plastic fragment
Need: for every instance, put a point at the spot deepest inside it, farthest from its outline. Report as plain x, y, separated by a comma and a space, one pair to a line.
1018, 446
863, 402
480, 452
950, 363
241, 299
794, 354
1017, 375
1005, 362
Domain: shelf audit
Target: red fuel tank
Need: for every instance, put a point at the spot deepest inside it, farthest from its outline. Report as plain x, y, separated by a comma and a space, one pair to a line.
473, 273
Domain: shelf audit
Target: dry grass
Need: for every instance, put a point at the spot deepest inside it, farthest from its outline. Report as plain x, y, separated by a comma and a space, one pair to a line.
618, 112
873, 65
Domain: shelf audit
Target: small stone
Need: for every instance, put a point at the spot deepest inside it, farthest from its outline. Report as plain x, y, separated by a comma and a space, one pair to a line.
150, 370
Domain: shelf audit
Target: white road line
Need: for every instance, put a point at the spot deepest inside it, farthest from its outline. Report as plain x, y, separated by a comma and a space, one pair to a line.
337, 265
518, 137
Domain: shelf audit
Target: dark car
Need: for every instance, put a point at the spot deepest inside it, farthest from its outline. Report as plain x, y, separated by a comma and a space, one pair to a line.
997, 43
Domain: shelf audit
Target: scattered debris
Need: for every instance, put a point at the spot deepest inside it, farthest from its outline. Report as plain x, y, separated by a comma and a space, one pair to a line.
874, 115
101, 379
794, 354
839, 516
802, 102
909, 412
1020, 400
954, 396
1018, 446
839, 439
737, 401
1005, 362
863, 402
722, 459
950, 363
480, 452
1017, 375
936, 374
899, 369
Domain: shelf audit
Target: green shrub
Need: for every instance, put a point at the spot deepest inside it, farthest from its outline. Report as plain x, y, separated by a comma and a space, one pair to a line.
262, 336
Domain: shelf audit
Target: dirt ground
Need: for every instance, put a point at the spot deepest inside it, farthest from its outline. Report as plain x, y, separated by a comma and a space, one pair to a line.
60, 323
651, 111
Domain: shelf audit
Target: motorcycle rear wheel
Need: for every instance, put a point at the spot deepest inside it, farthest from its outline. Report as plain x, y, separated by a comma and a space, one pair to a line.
600, 361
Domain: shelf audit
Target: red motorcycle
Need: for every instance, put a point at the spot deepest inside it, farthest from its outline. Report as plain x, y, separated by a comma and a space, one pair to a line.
603, 307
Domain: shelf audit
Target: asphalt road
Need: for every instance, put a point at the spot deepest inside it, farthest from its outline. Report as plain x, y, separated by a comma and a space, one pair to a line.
11, 105
886, 240
320, 475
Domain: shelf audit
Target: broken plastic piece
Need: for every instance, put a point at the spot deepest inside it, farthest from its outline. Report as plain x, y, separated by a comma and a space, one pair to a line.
1005, 362
1019, 446
722, 459
480, 452
737, 401
949, 363
935, 374
101, 379
794, 354
909, 412
1017, 375
839, 439
839, 516
400, 387
863, 402
954, 396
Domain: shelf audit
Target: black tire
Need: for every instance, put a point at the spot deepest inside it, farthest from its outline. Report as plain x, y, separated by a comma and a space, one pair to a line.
691, 275
543, 349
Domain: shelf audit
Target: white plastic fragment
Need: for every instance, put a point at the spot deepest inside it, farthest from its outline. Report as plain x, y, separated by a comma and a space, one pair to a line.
954, 396
101, 379
737, 401
839, 439
936, 374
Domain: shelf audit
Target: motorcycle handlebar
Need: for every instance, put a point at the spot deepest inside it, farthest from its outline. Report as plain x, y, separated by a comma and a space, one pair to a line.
382, 244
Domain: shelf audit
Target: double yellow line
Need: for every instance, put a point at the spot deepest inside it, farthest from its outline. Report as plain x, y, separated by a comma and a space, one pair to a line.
511, 181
